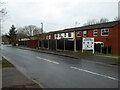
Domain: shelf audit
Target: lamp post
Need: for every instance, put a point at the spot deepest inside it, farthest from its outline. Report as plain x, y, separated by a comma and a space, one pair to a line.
42, 34
75, 36
2, 13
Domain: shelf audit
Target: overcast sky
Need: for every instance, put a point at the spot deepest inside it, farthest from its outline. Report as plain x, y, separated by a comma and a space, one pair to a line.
57, 14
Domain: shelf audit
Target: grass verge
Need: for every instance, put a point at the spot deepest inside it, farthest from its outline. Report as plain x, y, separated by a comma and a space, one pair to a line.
106, 54
118, 60
6, 64
77, 52
0, 65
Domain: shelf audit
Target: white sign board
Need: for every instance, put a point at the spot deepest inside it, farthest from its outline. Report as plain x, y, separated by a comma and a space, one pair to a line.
88, 44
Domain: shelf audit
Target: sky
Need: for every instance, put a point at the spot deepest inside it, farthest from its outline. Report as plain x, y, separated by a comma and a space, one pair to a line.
56, 14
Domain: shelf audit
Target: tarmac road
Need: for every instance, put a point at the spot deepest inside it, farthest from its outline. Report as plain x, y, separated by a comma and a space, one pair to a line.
53, 71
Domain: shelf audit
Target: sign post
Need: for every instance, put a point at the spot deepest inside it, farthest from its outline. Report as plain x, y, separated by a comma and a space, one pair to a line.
88, 44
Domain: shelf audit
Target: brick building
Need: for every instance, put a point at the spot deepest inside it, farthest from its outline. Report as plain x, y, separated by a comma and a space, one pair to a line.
106, 38
106, 35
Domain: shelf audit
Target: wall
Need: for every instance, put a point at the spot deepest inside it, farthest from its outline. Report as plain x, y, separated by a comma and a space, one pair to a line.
33, 43
114, 38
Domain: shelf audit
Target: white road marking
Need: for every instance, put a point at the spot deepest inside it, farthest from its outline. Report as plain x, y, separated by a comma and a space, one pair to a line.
94, 73
47, 60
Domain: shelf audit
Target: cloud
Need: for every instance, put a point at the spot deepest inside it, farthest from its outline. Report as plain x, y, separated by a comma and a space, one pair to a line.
57, 14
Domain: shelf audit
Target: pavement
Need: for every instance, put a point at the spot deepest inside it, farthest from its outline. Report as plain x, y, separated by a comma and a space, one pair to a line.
0, 76
12, 78
61, 71
0, 69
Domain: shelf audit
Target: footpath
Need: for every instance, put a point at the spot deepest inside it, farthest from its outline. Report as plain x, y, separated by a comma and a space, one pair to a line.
12, 79
110, 60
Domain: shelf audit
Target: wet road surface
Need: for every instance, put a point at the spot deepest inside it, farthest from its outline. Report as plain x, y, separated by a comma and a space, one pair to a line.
53, 71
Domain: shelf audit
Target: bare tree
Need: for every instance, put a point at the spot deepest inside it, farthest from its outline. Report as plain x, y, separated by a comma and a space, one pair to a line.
27, 31
103, 20
94, 21
90, 22
37, 31
117, 18
20, 33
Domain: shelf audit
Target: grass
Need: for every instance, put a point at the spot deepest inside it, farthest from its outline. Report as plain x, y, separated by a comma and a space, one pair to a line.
0, 65
118, 60
106, 54
87, 53
77, 52
5, 63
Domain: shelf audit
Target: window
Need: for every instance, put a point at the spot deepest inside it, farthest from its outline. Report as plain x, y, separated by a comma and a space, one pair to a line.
84, 33
60, 35
69, 34
104, 32
78, 33
56, 35
95, 32
64, 34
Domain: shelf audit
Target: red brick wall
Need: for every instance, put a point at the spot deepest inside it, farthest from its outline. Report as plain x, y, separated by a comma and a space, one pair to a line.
33, 43
119, 39
114, 38
52, 36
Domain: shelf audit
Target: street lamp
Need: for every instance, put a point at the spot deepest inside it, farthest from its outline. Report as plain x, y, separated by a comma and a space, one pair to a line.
42, 33
75, 37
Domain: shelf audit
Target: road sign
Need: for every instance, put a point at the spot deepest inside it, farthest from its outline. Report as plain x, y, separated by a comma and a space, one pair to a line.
88, 44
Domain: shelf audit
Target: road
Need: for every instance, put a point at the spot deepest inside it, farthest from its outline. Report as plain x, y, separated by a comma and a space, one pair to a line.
52, 71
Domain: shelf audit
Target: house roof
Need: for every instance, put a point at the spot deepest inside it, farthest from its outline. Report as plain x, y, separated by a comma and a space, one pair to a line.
90, 27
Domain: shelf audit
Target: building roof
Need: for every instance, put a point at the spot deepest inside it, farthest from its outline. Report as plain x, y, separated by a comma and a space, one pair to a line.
90, 27
99, 26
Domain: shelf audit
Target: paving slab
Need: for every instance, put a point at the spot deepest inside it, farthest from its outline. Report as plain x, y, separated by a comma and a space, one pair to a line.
12, 78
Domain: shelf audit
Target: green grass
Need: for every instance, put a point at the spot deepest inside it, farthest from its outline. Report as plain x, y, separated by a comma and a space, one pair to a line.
77, 52
85, 52
0, 65
117, 60
106, 54
5, 63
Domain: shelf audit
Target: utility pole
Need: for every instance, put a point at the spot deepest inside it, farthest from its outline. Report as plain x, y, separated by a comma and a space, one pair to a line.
64, 44
2, 13
42, 34
74, 42
119, 10
75, 38
0, 29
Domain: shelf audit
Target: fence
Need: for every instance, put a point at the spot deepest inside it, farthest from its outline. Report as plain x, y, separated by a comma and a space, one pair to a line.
23, 43
33, 43
52, 44
106, 49
63, 44
69, 45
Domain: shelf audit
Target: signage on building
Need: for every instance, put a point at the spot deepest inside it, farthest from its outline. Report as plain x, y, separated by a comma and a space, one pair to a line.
88, 44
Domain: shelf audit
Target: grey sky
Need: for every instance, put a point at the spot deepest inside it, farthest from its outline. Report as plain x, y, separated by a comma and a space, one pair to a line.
57, 14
